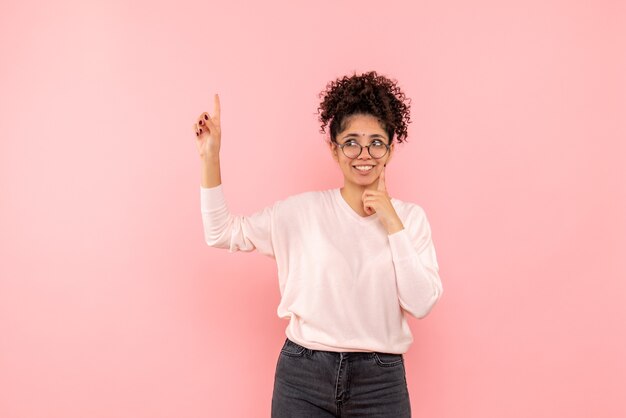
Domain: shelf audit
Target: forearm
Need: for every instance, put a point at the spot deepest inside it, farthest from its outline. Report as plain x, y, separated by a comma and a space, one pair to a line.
417, 275
419, 286
210, 171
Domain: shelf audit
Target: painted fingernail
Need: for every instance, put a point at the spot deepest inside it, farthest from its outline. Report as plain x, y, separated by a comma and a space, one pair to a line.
201, 122
200, 130
197, 134
206, 117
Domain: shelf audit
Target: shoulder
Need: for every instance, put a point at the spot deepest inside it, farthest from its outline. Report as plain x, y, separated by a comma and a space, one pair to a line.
408, 209
305, 200
308, 197
413, 216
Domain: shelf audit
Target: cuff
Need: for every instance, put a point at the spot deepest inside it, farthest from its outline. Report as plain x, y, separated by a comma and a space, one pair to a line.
401, 246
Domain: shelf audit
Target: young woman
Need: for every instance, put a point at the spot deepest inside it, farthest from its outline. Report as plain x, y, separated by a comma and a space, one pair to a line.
352, 261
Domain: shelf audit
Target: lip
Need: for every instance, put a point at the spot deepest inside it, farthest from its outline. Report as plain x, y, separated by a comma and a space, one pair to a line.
364, 173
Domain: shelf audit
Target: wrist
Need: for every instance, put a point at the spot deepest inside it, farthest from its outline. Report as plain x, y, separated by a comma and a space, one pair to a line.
210, 158
394, 226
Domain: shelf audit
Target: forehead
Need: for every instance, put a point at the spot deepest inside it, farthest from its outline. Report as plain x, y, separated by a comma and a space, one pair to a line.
363, 126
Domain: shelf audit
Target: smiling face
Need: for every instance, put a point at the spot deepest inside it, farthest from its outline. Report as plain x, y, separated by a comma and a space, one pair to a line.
364, 170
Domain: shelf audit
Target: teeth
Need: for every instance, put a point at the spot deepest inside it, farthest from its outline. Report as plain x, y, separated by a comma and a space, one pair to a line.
363, 167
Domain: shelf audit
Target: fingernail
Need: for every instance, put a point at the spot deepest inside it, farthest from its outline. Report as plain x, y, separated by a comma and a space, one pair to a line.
197, 134
200, 130
206, 117
201, 122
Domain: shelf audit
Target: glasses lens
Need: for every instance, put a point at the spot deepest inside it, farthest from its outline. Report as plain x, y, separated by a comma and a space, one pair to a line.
351, 149
378, 149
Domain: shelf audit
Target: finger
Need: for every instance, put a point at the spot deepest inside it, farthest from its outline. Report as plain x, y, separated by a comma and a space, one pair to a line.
206, 124
368, 193
368, 197
195, 129
216, 109
370, 201
209, 124
204, 119
207, 121
368, 204
381, 182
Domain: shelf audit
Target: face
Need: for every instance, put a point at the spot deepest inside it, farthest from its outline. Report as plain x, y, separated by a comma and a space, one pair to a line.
363, 170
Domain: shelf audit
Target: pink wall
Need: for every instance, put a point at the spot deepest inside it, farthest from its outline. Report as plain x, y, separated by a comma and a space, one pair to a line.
111, 305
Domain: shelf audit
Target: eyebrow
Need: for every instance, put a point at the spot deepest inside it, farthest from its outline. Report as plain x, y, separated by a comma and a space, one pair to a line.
371, 136
352, 136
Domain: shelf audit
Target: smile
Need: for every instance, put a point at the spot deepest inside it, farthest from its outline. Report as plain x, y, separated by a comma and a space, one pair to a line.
363, 167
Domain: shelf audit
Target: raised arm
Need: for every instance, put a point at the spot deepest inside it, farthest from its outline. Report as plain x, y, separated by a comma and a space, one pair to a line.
222, 229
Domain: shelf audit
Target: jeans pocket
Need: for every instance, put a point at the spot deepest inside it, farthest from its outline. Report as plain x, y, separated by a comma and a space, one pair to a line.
292, 349
388, 359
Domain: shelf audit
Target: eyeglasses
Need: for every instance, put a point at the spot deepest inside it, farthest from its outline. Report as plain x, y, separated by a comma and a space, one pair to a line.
352, 149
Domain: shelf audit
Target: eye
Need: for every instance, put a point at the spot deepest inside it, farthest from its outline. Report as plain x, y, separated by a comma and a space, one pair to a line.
378, 144
351, 143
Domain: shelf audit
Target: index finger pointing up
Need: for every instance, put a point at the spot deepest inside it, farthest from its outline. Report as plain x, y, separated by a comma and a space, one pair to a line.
216, 108
382, 187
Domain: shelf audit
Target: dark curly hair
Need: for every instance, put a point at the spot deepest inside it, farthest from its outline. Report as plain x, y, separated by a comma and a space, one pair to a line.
368, 93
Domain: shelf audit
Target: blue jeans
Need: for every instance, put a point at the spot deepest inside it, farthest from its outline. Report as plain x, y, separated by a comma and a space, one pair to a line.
312, 383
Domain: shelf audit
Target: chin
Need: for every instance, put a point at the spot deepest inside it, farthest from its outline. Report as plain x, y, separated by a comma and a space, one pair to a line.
363, 182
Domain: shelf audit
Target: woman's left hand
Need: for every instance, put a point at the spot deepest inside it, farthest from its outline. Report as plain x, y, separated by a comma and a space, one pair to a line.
378, 201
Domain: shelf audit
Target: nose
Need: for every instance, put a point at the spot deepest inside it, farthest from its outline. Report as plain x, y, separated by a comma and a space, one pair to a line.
365, 154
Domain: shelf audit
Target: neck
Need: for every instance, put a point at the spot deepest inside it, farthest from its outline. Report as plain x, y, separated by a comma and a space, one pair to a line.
352, 194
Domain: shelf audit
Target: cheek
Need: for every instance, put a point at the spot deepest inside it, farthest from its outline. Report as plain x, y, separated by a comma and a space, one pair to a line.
343, 160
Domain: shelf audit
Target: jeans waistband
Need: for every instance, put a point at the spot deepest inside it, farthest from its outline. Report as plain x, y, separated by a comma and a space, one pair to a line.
367, 354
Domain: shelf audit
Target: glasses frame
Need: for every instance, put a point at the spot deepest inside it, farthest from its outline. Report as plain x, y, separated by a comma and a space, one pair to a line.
387, 146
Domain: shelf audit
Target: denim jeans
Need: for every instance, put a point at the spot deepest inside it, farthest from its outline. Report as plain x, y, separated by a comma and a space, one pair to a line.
313, 383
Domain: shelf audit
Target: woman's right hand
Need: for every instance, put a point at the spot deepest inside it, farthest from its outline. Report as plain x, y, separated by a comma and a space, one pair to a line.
208, 131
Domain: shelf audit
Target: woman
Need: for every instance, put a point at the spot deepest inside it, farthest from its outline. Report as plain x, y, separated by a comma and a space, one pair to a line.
352, 261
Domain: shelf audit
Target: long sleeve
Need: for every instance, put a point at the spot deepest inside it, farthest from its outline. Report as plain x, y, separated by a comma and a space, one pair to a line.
415, 263
222, 229
345, 284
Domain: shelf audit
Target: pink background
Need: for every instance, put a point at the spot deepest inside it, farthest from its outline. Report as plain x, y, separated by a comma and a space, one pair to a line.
111, 304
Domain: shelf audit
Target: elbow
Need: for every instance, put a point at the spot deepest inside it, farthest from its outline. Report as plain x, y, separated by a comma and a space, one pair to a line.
210, 241
422, 309
216, 230
215, 240
216, 234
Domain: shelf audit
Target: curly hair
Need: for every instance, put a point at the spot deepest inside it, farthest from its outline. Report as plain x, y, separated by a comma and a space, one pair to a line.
368, 93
